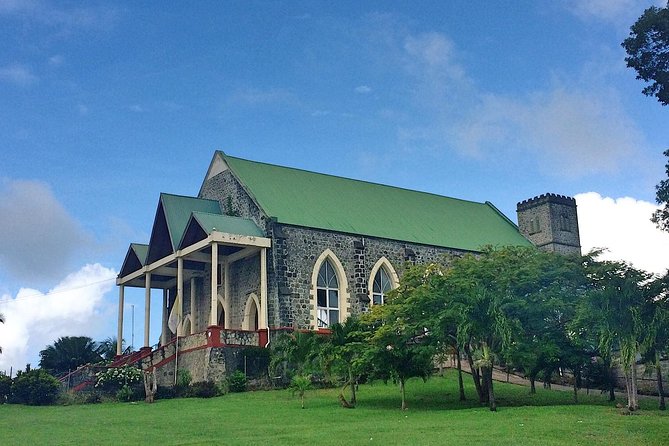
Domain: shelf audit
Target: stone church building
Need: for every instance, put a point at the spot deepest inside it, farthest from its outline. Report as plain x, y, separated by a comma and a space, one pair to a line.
264, 248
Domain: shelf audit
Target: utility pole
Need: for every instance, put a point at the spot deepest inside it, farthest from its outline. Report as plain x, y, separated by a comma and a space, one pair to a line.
132, 342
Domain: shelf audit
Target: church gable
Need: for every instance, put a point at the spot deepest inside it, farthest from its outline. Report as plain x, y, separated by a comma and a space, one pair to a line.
234, 198
134, 259
172, 216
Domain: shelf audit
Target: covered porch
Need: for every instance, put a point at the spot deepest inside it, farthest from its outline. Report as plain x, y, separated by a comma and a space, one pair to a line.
192, 254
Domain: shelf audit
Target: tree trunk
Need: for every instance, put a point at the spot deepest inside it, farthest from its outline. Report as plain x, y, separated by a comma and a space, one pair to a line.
533, 389
612, 384
485, 391
354, 397
475, 374
628, 390
660, 387
404, 404
302, 399
575, 391
635, 400
342, 399
150, 386
487, 378
460, 383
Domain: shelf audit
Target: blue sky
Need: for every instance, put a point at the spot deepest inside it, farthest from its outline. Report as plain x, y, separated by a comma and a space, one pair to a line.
103, 106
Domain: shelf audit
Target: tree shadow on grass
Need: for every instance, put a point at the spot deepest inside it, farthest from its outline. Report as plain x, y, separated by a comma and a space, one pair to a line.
441, 393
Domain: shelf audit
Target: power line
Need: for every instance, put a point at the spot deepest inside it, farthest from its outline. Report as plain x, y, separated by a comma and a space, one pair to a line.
51, 293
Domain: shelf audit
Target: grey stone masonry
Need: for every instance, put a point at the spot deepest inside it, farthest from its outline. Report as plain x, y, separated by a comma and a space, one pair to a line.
299, 248
550, 222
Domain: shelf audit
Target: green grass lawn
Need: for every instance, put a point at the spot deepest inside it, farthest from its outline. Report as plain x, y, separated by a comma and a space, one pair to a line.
274, 417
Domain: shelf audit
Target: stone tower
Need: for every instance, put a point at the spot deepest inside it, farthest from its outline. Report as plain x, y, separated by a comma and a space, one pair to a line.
551, 223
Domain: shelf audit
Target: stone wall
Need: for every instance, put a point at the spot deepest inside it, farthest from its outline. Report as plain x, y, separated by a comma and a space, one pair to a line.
297, 250
225, 188
240, 338
550, 222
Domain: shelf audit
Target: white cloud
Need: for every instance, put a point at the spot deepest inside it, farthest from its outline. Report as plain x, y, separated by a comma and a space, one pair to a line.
136, 108
18, 75
54, 14
576, 132
432, 59
74, 307
623, 226
622, 12
56, 60
39, 237
363, 89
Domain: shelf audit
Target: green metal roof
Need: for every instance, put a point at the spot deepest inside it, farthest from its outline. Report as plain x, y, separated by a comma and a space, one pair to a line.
135, 259
140, 251
225, 223
178, 209
309, 199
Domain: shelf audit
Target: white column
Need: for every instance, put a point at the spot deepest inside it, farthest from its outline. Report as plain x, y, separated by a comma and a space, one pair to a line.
163, 333
119, 333
226, 292
214, 284
180, 292
147, 310
192, 305
263, 290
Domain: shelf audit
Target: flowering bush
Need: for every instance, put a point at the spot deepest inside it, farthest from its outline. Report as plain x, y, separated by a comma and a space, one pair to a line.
115, 378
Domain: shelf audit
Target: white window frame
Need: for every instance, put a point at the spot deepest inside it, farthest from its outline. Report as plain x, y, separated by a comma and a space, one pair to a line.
384, 263
344, 305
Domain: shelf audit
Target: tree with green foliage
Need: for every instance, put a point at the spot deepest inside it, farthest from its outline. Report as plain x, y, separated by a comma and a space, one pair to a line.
300, 384
295, 353
657, 331
399, 347
107, 348
661, 216
5, 387
617, 310
34, 387
68, 353
486, 302
648, 51
345, 354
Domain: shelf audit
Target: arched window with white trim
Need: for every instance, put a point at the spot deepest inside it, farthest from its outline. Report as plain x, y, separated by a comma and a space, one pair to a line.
383, 279
380, 286
327, 296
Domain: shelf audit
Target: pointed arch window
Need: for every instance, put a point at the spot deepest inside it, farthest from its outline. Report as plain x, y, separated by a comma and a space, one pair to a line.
327, 296
380, 287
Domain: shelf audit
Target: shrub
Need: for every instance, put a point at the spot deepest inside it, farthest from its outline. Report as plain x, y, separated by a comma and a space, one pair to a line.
166, 393
181, 388
5, 387
125, 393
237, 382
204, 389
115, 378
74, 398
34, 387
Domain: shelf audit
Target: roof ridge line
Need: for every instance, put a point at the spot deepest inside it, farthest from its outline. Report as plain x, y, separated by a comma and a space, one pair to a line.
186, 196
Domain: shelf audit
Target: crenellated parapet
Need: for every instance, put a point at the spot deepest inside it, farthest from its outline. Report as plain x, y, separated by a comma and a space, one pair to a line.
546, 198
